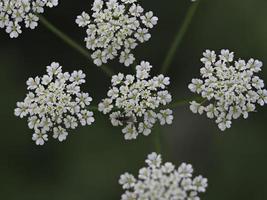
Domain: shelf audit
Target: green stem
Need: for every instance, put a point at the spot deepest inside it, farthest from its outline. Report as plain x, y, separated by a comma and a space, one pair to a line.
183, 102
71, 42
179, 37
93, 108
157, 140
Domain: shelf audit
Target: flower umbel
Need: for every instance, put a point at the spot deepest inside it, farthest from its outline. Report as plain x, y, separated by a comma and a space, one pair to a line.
163, 181
55, 103
14, 12
115, 28
230, 88
134, 101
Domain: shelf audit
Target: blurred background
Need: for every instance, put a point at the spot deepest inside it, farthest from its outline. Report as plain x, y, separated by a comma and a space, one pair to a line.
87, 166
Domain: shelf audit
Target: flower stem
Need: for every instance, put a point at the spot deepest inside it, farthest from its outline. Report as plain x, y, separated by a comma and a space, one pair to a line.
183, 102
71, 43
157, 139
93, 108
179, 37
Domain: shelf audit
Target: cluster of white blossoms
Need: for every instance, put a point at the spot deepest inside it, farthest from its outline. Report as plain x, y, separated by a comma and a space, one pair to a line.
134, 101
14, 12
163, 181
116, 28
230, 89
55, 103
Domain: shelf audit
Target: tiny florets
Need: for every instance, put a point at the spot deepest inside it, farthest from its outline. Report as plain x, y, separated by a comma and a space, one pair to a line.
134, 101
55, 103
115, 29
14, 12
230, 89
163, 181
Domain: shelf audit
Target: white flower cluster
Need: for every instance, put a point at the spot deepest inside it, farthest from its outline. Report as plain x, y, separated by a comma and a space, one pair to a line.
116, 28
230, 89
133, 101
163, 181
55, 103
14, 12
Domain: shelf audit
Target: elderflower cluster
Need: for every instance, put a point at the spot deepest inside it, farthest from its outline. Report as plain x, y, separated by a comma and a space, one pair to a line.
163, 181
14, 12
134, 102
230, 89
115, 29
55, 103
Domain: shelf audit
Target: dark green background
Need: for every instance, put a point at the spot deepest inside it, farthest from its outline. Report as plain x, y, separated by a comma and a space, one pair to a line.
87, 166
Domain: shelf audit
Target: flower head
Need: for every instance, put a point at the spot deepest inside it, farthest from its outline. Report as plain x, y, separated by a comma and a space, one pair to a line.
163, 181
115, 28
55, 103
230, 89
14, 12
134, 101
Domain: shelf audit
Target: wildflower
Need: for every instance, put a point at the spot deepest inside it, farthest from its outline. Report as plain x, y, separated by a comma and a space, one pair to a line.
134, 102
230, 89
163, 181
55, 104
15, 12
115, 28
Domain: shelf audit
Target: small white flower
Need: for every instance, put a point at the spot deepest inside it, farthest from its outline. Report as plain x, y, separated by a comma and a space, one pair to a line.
84, 99
46, 79
209, 57
60, 133
230, 88
134, 101
126, 58
39, 138
149, 20
14, 29
33, 83
130, 132
127, 181
55, 104
105, 106
54, 69
153, 160
226, 55
86, 117
31, 21
162, 181
196, 86
99, 57
115, 28
196, 107
83, 19
200, 183
78, 77
14, 12
185, 170
165, 117
142, 35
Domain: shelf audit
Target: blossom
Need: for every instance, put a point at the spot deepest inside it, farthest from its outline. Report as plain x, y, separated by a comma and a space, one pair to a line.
14, 12
55, 103
136, 102
115, 28
163, 181
229, 88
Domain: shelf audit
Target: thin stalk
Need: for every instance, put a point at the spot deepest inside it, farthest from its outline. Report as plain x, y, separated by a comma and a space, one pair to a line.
157, 139
183, 102
179, 37
93, 108
65, 38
